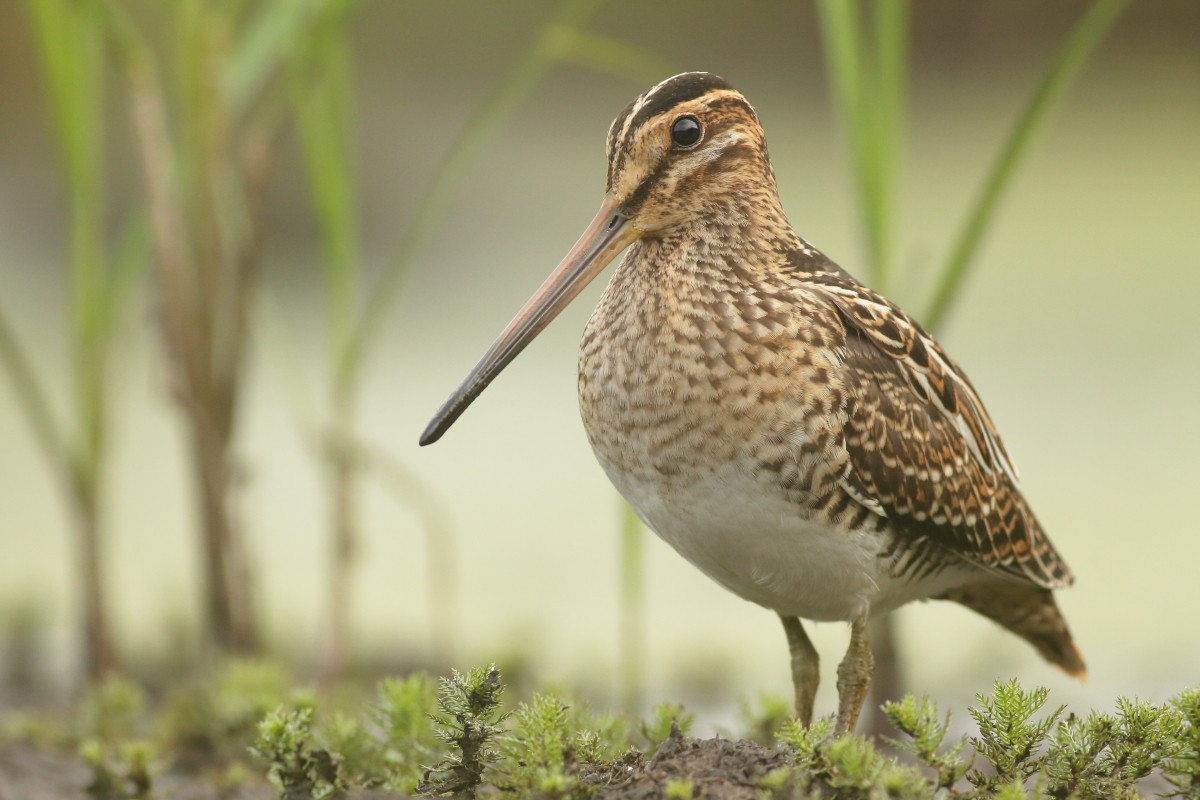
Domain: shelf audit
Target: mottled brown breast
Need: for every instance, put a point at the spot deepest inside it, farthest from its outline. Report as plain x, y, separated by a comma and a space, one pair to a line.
684, 371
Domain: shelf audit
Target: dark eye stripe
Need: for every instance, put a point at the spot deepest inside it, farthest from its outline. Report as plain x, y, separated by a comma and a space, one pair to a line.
729, 154
643, 189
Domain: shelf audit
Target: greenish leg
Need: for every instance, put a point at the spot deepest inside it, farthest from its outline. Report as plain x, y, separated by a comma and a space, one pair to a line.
806, 672
854, 675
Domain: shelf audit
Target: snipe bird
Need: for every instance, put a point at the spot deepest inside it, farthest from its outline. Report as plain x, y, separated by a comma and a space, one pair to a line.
795, 435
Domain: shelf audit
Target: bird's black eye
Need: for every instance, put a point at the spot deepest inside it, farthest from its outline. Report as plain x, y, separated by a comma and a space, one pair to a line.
686, 131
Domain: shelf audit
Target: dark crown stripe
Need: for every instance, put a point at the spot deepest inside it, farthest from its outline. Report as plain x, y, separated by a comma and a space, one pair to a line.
671, 93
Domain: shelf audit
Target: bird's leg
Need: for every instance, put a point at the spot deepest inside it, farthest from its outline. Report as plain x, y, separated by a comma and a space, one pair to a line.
806, 673
854, 675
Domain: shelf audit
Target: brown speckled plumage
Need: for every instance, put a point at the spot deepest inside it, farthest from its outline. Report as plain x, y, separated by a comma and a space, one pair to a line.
791, 432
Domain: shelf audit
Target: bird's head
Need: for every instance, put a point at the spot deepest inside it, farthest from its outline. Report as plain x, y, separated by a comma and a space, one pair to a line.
683, 152
686, 152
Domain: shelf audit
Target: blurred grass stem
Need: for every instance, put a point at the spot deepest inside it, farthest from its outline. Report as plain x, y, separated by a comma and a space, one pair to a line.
70, 47
206, 171
632, 612
323, 89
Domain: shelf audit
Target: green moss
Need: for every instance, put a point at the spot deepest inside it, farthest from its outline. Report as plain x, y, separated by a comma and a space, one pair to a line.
680, 789
401, 715
763, 721
111, 709
215, 718
923, 734
119, 770
468, 719
656, 729
300, 770
1183, 768
460, 739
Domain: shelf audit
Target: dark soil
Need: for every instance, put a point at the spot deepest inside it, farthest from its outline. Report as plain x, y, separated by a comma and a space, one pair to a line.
718, 768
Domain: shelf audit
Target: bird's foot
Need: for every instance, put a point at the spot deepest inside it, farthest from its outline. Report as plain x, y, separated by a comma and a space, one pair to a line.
854, 676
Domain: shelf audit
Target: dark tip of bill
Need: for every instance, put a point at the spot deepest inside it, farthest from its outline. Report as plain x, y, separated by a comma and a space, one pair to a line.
433, 431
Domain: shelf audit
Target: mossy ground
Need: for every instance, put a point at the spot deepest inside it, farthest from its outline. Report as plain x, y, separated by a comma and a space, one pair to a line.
246, 732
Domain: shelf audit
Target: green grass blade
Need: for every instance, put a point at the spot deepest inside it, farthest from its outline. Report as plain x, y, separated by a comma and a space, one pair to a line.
323, 107
455, 166
844, 60
888, 96
606, 55
867, 85
262, 47
32, 397
70, 45
129, 264
1087, 35
632, 571
269, 41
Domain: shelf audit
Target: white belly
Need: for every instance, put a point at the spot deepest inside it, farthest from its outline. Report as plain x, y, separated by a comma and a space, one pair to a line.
759, 546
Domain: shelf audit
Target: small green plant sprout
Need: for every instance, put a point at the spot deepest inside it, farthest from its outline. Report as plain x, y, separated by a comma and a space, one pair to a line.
1183, 770
217, 718
807, 742
762, 722
846, 767
854, 768
680, 789
37, 728
538, 750
554, 746
110, 717
1104, 756
1009, 737
778, 783
123, 773
657, 729
402, 716
298, 769
360, 753
469, 720
918, 721
111, 709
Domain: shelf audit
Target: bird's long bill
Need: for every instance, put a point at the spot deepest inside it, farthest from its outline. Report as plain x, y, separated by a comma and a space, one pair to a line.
607, 235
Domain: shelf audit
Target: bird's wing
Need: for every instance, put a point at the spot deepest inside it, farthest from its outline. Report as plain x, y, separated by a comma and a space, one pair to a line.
923, 450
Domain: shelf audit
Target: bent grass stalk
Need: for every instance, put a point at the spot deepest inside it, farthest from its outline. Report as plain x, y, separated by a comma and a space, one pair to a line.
322, 100
1084, 39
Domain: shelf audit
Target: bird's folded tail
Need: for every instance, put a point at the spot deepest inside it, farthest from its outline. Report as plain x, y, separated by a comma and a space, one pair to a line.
1028, 611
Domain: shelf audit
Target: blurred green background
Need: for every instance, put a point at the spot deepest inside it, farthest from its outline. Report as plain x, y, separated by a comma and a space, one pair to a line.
1079, 326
